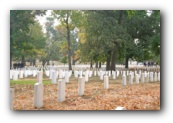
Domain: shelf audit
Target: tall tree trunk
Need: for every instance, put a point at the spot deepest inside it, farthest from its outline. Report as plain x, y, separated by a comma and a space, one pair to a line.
31, 62
113, 61
43, 62
91, 64
126, 62
23, 61
108, 60
100, 64
96, 64
48, 62
69, 42
114, 55
34, 62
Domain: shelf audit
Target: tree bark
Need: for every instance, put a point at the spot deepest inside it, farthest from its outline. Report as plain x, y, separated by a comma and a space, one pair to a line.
126, 62
91, 64
23, 61
100, 64
113, 61
48, 62
108, 60
114, 55
69, 42
34, 62
96, 65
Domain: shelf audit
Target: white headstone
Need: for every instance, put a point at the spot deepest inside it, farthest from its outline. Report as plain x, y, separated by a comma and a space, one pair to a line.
21, 74
47, 72
38, 95
34, 73
114, 74
155, 76
60, 74
106, 82
54, 77
151, 76
147, 77
95, 73
131, 78
61, 90
123, 80
143, 78
11, 74
39, 77
81, 86
109, 73
86, 76
25, 73
67, 77
50, 74
15, 75
159, 76
137, 78
101, 75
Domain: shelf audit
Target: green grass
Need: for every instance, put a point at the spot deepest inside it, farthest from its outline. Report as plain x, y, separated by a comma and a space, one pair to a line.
27, 82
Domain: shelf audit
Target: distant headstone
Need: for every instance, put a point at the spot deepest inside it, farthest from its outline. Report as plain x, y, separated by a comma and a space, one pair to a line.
67, 77
137, 78
143, 78
159, 76
124, 80
114, 74
95, 73
15, 75
54, 77
131, 78
155, 76
151, 76
21, 74
40, 77
106, 82
101, 75
86, 76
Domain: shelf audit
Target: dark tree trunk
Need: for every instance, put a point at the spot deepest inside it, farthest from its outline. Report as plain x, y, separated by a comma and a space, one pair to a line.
23, 61
69, 42
31, 62
114, 55
113, 61
100, 64
108, 61
96, 65
91, 64
126, 62
48, 62
34, 62
43, 62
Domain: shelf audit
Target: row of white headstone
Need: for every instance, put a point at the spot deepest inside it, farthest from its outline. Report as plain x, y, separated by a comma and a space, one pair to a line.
15, 74
38, 90
145, 77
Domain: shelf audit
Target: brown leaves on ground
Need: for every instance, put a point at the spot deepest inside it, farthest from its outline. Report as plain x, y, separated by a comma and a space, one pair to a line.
133, 97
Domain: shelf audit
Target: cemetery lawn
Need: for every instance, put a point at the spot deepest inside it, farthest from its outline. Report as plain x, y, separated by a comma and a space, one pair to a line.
133, 97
